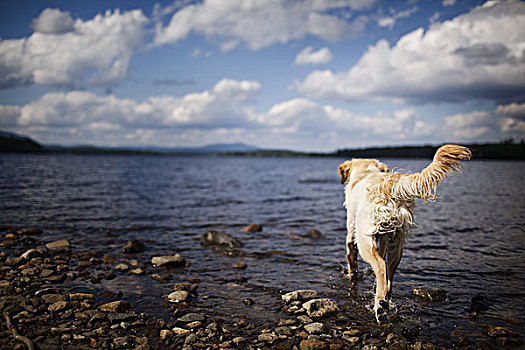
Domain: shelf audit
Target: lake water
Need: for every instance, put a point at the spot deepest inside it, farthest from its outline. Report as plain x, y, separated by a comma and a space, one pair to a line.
470, 241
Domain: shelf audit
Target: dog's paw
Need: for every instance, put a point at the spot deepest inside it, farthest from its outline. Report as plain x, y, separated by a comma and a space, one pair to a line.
385, 304
381, 315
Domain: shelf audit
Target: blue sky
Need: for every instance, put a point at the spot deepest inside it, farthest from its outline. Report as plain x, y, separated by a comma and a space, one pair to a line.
305, 75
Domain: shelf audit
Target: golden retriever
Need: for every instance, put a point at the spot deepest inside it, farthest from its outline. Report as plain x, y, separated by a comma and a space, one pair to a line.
380, 212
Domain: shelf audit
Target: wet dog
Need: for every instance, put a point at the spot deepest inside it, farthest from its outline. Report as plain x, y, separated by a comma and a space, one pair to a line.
380, 212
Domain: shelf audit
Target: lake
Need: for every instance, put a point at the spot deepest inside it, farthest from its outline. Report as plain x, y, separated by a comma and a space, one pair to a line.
469, 242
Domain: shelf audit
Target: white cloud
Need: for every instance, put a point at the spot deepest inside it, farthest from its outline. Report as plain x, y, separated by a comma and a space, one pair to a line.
308, 56
449, 2
390, 21
476, 55
262, 23
513, 109
59, 53
53, 21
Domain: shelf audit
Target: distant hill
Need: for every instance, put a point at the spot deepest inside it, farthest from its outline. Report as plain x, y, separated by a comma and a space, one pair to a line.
10, 142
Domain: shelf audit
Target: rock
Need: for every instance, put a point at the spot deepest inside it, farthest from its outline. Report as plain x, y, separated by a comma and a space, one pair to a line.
299, 295
168, 260
314, 234
252, 228
116, 306
317, 308
137, 272
191, 317
180, 332
240, 265
220, 238
62, 245
304, 318
81, 296
109, 259
58, 306
52, 298
30, 231
194, 324
267, 338
121, 267
189, 287
494, 332
314, 328
165, 333
248, 302
283, 331
313, 344
238, 340
479, 303
178, 296
122, 342
133, 246
430, 294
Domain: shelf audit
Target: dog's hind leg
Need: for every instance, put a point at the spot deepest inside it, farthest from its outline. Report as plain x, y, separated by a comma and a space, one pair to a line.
351, 252
368, 250
395, 252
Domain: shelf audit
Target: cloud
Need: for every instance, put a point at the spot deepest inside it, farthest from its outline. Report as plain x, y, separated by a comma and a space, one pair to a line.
53, 21
308, 56
390, 21
478, 55
449, 2
63, 53
262, 23
513, 110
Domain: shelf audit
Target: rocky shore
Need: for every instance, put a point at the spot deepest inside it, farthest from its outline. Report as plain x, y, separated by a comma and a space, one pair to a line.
50, 300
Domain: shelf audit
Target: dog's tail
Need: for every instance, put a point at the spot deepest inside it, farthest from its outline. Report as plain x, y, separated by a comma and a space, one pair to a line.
424, 184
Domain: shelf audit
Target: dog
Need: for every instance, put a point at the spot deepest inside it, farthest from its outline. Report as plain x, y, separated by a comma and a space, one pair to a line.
380, 212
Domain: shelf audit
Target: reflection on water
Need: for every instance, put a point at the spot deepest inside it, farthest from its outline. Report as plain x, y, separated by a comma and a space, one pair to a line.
468, 242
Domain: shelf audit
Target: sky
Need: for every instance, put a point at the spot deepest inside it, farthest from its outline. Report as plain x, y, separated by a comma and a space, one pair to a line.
306, 75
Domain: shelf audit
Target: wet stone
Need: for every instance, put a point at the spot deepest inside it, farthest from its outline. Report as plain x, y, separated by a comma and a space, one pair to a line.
314, 234
314, 328
220, 239
180, 332
133, 246
52, 298
318, 308
299, 295
168, 260
283, 331
312, 344
178, 296
121, 267
81, 296
116, 306
191, 317
494, 332
429, 294
252, 228
58, 306
240, 265
62, 245
189, 287
30, 231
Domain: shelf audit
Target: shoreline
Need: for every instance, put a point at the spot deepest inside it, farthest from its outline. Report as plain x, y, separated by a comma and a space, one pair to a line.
52, 295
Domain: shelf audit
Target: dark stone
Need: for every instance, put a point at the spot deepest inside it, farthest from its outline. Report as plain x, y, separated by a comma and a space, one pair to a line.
248, 302
252, 228
314, 234
220, 239
30, 231
479, 303
133, 246
430, 294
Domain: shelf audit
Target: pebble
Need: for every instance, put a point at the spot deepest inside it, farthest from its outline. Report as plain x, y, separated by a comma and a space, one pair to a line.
133, 246
267, 338
299, 295
318, 308
116, 306
220, 238
283, 331
312, 344
191, 317
121, 267
240, 265
494, 332
178, 296
430, 294
184, 286
180, 332
165, 333
137, 272
168, 260
62, 245
58, 306
252, 228
314, 328
314, 234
